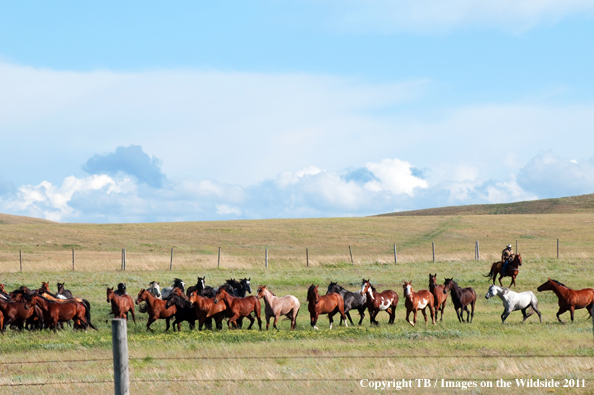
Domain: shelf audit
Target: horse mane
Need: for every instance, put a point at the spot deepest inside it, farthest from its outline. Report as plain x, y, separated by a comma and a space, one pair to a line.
559, 283
310, 290
233, 282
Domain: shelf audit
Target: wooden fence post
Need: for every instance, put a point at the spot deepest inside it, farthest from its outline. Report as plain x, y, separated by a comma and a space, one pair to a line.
124, 258
517, 247
351, 252
119, 341
395, 255
557, 248
21, 259
219, 261
73, 259
478, 251
266, 259
307, 256
433, 249
171, 261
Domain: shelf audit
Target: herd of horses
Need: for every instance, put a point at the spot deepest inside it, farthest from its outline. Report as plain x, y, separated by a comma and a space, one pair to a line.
24, 308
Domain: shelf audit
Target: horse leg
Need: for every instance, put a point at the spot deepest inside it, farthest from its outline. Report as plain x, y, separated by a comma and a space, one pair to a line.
414, 317
561, 311
361, 314
252, 320
425, 315
571, 310
348, 315
267, 322
504, 316
392, 312
500, 277
274, 323
314, 321
167, 324
513, 281
537, 312
331, 318
458, 313
133, 316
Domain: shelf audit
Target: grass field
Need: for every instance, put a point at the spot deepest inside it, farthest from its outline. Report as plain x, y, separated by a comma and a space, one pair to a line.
321, 361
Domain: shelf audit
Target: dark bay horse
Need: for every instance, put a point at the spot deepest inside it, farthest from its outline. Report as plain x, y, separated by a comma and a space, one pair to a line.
414, 301
155, 309
56, 312
439, 296
64, 292
569, 299
327, 304
121, 305
512, 270
15, 313
240, 307
379, 301
352, 300
184, 309
461, 299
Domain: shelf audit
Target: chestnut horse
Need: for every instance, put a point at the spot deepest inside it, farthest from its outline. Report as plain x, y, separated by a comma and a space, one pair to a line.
512, 270
330, 304
205, 308
569, 299
379, 301
15, 313
461, 299
155, 309
275, 307
55, 312
414, 301
240, 307
120, 305
438, 295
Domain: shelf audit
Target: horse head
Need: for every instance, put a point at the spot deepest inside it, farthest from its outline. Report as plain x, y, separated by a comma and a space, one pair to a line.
261, 291
447, 285
408, 289
193, 297
365, 288
246, 284
201, 283
331, 287
44, 287
221, 295
109, 294
141, 296
173, 299
548, 285
60, 287
432, 280
312, 294
493, 290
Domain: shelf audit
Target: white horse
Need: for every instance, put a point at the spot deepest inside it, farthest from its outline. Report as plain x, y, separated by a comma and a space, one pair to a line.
177, 283
154, 289
513, 301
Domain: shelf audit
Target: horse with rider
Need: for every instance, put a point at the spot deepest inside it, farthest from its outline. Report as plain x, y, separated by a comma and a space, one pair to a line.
508, 266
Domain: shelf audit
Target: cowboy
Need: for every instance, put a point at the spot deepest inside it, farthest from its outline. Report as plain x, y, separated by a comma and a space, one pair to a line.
506, 256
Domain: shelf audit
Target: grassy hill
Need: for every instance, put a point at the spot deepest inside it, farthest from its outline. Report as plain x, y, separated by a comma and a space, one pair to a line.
7, 219
565, 205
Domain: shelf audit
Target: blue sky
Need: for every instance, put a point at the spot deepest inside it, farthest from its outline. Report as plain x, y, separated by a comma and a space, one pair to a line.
140, 111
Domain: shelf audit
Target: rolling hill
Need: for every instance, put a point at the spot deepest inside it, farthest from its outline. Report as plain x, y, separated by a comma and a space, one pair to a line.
7, 219
565, 205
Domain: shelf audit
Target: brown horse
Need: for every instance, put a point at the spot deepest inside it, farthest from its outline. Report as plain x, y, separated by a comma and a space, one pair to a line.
155, 309
15, 313
569, 299
55, 313
44, 288
379, 301
121, 305
240, 307
275, 307
327, 304
64, 292
438, 295
512, 271
461, 298
205, 307
414, 301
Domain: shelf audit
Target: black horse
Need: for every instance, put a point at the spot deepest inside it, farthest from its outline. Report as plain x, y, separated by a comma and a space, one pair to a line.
241, 287
184, 311
352, 300
461, 297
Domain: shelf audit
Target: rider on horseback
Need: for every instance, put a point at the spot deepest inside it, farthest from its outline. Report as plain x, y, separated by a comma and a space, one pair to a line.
506, 256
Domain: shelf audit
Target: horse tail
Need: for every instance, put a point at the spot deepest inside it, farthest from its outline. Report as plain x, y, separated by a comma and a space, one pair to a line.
143, 307
492, 273
88, 313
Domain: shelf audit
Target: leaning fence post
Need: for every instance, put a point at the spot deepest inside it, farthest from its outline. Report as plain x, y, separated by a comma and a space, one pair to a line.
395, 256
351, 252
266, 259
119, 341
171, 261
433, 249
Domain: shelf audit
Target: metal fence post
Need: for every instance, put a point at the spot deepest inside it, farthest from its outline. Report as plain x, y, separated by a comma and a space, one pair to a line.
119, 341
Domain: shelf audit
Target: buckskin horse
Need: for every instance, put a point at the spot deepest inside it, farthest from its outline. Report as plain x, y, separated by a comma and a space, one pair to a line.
569, 299
512, 270
327, 304
461, 299
275, 307
121, 305
439, 296
240, 307
379, 301
155, 309
414, 301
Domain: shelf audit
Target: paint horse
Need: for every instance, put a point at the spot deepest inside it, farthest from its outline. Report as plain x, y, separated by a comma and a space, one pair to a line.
352, 300
513, 301
240, 307
512, 270
155, 309
275, 307
414, 301
327, 304
379, 301
121, 305
461, 299
569, 299
439, 296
